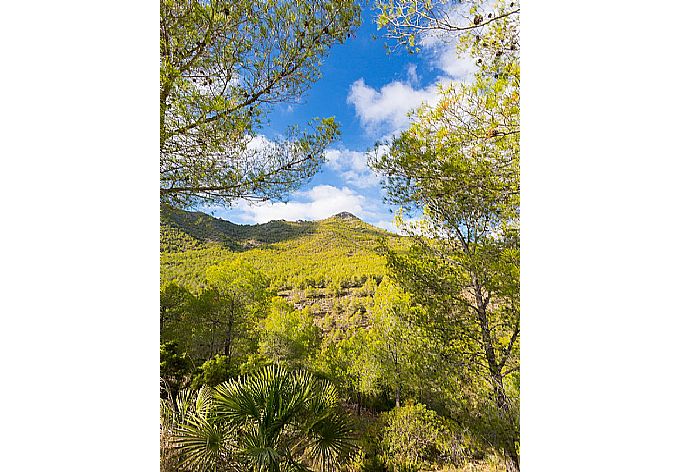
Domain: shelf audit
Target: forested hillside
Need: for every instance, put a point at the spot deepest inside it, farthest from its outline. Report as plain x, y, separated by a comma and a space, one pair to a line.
312, 295
332, 345
310, 257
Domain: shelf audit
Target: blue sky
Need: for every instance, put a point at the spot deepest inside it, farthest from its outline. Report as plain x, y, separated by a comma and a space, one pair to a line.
370, 92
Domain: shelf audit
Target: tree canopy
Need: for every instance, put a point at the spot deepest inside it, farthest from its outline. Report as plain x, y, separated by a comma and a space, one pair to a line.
223, 65
290, 325
458, 164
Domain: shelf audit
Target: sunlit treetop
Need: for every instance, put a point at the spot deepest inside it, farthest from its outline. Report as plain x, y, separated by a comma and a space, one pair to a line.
223, 65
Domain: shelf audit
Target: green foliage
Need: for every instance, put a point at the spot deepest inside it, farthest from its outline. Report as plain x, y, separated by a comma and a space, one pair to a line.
408, 336
212, 372
377, 355
369, 287
270, 420
220, 317
429, 321
174, 368
174, 301
395, 349
223, 65
193, 436
408, 21
290, 254
288, 337
415, 438
459, 164
342, 357
175, 240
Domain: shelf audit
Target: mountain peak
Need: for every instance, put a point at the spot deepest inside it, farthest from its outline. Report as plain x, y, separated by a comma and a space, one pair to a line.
345, 215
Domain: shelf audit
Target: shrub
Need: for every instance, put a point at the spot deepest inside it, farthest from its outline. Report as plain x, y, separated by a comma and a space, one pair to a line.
174, 368
213, 372
272, 419
416, 438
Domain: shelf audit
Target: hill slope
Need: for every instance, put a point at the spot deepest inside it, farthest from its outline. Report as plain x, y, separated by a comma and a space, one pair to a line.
312, 263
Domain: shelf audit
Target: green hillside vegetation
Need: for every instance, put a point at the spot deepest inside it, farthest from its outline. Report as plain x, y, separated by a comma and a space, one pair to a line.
332, 256
318, 296
329, 269
333, 345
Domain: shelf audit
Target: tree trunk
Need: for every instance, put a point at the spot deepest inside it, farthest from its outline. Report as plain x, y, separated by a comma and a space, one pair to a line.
162, 323
228, 338
397, 396
228, 331
500, 398
512, 460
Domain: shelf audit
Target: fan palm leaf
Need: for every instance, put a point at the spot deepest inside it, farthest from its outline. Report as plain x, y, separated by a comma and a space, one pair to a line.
273, 420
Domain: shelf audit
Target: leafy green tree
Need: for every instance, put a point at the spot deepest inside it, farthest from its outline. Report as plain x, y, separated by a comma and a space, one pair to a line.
335, 287
416, 438
344, 358
175, 367
394, 347
379, 351
271, 420
459, 163
369, 287
407, 22
223, 65
212, 372
174, 301
288, 337
200, 329
222, 317
241, 299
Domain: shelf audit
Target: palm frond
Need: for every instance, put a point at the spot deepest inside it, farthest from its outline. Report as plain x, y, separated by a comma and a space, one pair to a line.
270, 421
332, 441
204, 443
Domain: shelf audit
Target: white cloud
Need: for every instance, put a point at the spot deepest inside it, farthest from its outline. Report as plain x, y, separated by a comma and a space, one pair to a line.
409, 226
454, 66
412, 76
440, 50
317, 203
352, 167
258, 143
322, 201
385, 110
388, 225
388, 107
